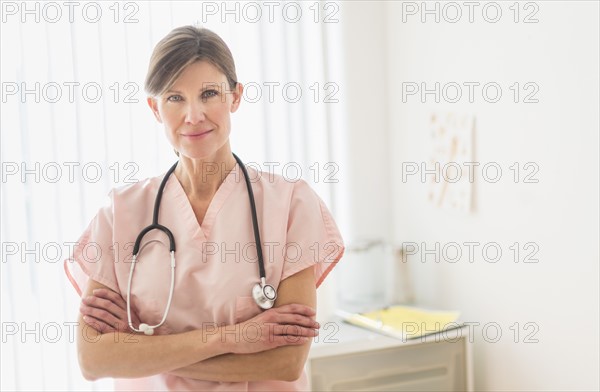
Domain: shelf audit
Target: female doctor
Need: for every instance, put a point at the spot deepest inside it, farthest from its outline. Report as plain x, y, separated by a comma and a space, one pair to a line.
177, 297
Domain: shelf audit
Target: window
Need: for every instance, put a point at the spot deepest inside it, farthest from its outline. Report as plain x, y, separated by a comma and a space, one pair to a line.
75, 124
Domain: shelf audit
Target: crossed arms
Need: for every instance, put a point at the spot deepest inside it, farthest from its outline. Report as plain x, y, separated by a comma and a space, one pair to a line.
209, 355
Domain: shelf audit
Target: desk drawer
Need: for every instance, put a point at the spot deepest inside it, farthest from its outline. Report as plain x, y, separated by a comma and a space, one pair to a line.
434, 366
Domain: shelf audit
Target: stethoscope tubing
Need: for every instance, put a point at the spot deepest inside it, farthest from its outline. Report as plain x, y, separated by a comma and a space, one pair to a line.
262, 298
261, 263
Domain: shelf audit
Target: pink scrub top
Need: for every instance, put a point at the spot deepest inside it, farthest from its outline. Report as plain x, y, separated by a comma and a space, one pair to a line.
216, 261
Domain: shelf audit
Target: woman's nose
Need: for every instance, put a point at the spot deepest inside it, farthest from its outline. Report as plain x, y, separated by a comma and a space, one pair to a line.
195, 113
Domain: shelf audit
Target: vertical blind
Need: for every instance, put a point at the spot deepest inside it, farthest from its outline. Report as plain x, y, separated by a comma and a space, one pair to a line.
75, 123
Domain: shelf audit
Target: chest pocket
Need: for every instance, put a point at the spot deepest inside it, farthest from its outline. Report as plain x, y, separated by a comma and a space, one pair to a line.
245, 309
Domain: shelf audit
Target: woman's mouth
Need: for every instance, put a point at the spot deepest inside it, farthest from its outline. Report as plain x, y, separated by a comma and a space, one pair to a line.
197, 135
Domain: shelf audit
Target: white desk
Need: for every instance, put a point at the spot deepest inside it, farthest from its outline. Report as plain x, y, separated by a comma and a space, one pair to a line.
348, 358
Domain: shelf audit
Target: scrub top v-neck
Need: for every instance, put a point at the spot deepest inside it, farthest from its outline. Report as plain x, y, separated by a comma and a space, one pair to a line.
201, 230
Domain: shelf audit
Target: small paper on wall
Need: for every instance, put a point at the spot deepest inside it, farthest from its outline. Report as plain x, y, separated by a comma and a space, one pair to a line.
452, 158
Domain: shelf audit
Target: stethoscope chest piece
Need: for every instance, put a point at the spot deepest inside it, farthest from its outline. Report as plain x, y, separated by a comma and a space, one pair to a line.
264, 295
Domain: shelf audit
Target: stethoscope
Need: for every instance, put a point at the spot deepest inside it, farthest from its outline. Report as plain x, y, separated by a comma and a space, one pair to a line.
264, 294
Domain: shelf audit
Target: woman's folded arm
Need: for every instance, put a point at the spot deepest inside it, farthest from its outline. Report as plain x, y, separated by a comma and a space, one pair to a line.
126, 355
282, 363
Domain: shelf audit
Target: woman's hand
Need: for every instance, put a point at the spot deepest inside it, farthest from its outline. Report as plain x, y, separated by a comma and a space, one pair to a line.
106, 311
291, 324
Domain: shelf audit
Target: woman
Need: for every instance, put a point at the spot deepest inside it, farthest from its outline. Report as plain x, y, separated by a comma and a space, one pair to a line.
212, 335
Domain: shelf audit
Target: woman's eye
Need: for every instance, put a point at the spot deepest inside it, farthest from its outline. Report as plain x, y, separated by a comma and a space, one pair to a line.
174, 98
209, 94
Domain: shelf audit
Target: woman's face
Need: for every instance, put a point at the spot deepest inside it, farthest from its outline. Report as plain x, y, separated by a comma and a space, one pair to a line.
196, 110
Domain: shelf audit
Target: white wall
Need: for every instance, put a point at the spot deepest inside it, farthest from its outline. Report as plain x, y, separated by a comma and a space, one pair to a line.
559, 294
364, 99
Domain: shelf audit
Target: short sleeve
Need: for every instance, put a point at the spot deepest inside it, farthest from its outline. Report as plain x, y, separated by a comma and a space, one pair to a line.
313, 238
93, 255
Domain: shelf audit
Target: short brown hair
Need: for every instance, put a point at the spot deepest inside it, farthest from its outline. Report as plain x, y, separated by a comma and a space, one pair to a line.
181, 47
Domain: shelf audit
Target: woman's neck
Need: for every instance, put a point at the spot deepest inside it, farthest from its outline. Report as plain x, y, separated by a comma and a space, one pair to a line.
201, 178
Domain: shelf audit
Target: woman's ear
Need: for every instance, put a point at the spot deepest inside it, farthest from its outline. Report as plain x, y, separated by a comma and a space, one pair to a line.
237, 97
154, 107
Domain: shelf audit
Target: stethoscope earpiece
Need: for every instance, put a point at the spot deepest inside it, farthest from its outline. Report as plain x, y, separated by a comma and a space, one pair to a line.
145, 328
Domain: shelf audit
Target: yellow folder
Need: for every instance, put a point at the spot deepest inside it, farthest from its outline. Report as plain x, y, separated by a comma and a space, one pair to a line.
404, 322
